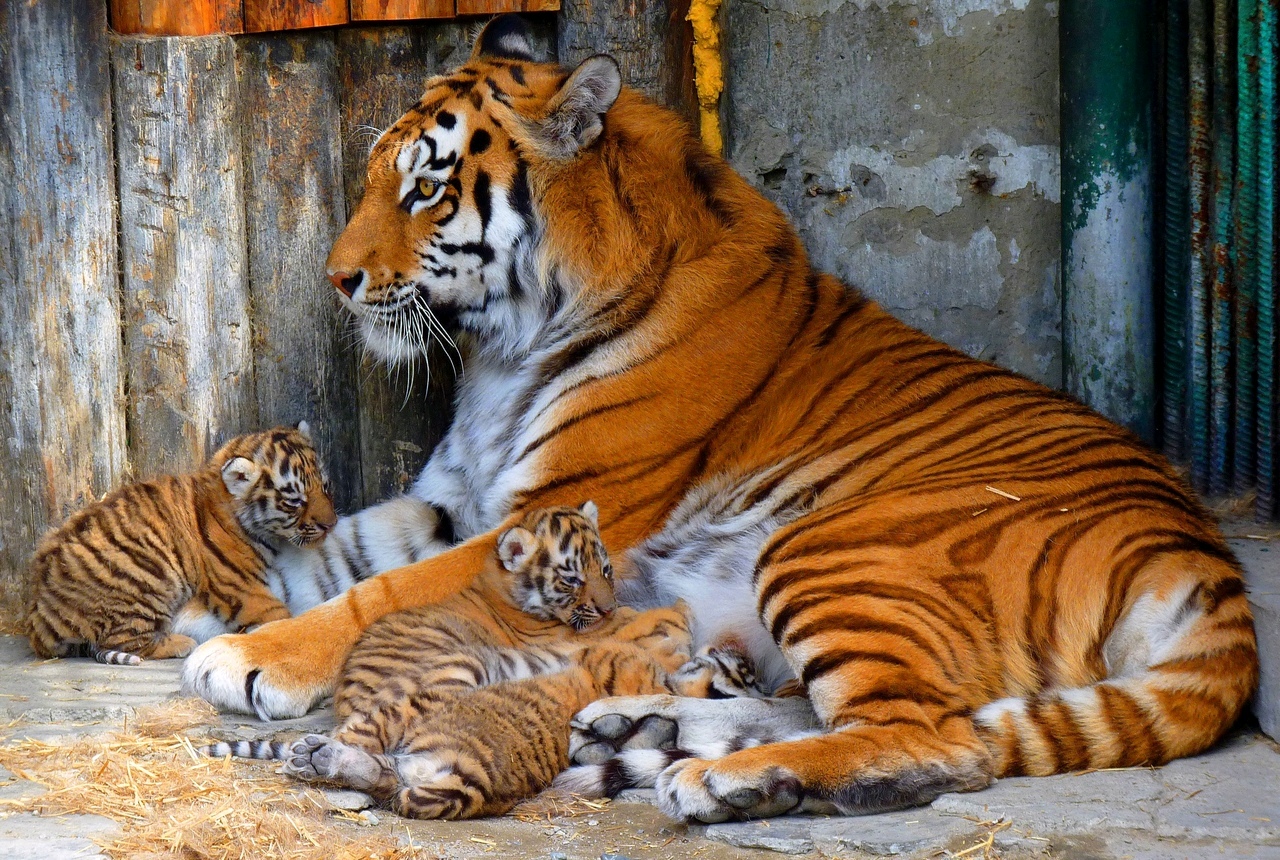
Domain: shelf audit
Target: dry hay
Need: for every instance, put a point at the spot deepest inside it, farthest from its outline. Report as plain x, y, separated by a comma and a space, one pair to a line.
173, 802
556, 804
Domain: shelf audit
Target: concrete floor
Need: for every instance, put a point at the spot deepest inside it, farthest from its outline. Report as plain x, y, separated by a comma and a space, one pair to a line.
1223, 804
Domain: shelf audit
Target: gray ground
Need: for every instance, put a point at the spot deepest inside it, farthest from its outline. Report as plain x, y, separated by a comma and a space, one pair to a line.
1224, 804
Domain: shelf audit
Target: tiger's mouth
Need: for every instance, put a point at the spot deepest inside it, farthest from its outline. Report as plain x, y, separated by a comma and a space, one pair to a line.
584, 621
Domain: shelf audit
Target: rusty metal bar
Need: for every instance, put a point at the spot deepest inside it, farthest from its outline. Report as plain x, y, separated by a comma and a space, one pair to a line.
1176, 239
1221, 285
1245, 264
1269, 35
1199, 153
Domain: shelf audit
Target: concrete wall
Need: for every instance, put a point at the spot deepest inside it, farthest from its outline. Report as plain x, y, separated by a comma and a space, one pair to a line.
916, 149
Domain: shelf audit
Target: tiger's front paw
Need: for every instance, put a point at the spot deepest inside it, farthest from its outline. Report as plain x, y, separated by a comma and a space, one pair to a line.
279, 671
710, 792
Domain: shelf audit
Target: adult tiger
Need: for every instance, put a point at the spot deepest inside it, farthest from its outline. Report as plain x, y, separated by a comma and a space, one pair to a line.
642, 328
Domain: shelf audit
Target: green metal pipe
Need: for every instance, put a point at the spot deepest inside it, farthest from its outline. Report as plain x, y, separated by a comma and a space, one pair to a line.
1246, 268
1107, 253
1198, 154
1220, 287
1268, 48
1177, 217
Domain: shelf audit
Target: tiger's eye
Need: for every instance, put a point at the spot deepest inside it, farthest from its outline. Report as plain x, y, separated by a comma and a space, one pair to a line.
427, 186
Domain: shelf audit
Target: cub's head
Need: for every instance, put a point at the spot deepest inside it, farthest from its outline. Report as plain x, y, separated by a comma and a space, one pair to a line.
444, 240
562, 571
279, 491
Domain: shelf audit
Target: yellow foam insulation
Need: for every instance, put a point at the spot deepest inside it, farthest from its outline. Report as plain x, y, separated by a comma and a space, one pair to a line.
708, 69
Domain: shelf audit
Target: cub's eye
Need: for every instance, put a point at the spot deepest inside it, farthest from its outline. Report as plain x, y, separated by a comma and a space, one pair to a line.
607, 570
289, 506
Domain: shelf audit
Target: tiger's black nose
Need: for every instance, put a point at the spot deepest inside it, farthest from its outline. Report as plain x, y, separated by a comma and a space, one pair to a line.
347, 283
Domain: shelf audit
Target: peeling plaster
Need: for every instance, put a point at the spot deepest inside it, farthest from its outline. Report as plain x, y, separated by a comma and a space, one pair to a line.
947, 13
935, 184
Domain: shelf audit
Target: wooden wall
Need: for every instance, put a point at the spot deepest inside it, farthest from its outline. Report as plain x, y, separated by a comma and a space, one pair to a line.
167, 209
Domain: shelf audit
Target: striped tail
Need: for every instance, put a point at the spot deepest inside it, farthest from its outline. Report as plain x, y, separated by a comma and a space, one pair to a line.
1181, 666
637, 768
261, 750
109, 656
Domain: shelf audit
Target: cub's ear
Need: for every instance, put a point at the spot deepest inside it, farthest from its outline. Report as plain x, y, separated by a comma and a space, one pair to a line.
575, 114
304, 429
239, 474
591, 512
515, 548
506, 37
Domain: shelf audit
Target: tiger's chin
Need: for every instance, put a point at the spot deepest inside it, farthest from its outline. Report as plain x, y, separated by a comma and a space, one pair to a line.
389, 343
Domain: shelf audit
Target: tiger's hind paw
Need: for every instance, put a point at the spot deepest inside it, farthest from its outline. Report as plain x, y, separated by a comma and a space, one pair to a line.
597, 734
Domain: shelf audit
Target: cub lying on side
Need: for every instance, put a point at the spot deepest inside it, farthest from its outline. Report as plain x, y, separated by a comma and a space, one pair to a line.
462, 709
111, 581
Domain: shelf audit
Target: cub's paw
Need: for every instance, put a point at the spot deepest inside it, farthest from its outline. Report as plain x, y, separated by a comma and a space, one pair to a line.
718, 673
310, 758
320, 758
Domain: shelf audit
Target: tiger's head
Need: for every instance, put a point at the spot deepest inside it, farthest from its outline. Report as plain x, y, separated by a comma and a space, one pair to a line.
562, 570
278, 488
445, 240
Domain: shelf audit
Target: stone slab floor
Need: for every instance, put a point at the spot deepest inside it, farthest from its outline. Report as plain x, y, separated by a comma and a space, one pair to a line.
1223, 804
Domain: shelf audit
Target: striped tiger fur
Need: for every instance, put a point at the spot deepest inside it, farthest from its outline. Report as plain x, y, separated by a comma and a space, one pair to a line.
130, 576
484, 684
641, 327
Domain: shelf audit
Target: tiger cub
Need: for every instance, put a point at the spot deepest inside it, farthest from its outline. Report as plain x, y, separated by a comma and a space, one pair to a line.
462, 709
120, 579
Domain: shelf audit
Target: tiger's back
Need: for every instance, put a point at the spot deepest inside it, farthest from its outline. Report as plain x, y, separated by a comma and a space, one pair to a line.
120, 578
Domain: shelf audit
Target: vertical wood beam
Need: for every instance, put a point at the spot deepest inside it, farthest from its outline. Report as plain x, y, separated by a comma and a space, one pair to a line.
295, 209
62, 426
382, 72
184, 267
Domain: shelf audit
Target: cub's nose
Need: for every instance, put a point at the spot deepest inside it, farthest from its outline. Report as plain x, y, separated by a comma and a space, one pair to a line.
346, 282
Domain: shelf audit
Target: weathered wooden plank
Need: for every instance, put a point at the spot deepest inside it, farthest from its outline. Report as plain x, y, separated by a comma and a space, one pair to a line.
382, 72
61, 394
494, 7
177, 17
184, 267
400, 10
652, 43
294, 206
271, 16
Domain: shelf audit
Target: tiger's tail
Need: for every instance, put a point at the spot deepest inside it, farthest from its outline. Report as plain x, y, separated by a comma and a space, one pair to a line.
112, 657
261, 750
1181, 664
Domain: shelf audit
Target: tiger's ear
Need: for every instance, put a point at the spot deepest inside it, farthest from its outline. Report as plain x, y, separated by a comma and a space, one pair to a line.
575, 114
591, 512
515, 548
304, 429
506, 37
239, 474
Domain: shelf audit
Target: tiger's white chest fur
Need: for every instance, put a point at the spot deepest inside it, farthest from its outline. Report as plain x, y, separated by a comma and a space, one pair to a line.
705, 553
